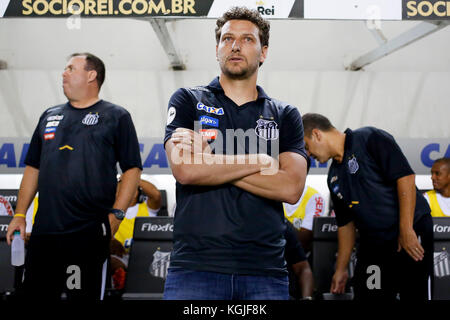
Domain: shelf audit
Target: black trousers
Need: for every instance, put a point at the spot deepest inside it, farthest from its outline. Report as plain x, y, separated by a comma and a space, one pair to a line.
382, 273
72, 263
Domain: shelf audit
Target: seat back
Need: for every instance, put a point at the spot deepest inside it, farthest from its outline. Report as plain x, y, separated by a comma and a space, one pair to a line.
441, 285
7, 271
149, 258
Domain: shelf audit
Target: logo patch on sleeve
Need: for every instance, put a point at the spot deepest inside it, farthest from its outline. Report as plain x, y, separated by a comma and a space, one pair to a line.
171, 113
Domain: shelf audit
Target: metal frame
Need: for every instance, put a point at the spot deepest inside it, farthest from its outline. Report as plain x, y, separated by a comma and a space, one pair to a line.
387, 47
160, 28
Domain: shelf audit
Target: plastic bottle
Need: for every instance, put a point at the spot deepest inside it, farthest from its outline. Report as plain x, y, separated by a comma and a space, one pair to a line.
17, 250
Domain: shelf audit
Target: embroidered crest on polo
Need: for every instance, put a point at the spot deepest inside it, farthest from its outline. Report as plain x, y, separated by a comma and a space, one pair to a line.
90, 119
353, 165
267, 129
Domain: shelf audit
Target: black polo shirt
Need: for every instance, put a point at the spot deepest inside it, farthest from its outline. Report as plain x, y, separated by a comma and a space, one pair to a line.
224, 228
363, 187
76, 152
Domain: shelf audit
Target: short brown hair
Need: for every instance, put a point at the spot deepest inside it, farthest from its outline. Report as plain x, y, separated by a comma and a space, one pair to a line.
243, 13
315, 121
93, 63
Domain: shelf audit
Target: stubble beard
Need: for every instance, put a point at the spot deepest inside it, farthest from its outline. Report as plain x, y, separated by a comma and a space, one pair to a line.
240, 74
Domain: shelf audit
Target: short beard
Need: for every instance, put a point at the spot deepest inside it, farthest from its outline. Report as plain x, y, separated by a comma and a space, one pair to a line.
241, 74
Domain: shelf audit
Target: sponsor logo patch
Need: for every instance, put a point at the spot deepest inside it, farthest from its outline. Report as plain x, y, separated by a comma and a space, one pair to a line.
52, 124
48, 130
211, 134
49, 136
55, 118
336, 188
213, 110
209, 121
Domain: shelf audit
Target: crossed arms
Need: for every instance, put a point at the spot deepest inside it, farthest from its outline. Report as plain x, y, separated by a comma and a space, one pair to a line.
259, 174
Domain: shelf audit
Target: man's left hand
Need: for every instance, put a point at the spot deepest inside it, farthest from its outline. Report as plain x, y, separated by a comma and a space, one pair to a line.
408, 241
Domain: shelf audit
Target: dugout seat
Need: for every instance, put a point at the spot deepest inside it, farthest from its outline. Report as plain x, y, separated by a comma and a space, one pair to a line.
163, 212
149, 258
441, 285
7, 271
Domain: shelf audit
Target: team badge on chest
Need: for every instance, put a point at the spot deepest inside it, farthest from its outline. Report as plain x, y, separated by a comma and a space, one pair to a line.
353, 165
90, 119
267, 129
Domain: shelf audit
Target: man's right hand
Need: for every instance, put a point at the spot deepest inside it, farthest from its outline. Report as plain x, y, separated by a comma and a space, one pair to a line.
17, 223
338, 282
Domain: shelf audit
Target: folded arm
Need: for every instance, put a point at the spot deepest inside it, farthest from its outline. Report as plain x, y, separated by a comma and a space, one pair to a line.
285, 184
192, 163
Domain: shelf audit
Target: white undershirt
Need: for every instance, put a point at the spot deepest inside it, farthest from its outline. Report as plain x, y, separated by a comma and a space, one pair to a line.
315, 205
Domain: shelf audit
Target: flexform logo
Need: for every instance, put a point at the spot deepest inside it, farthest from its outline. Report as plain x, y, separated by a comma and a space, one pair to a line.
441, 229
157, 227
328, 227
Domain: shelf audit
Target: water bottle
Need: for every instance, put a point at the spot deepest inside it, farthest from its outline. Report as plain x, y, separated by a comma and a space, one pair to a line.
17, 250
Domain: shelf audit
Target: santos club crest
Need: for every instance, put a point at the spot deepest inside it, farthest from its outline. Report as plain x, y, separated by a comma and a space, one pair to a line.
160, 264
90, 119
267, 129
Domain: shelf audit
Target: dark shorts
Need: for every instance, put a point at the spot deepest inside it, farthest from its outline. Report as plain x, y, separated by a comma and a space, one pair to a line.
382, 273
74, 264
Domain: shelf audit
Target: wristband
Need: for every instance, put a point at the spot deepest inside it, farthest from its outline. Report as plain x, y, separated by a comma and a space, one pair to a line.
19, 215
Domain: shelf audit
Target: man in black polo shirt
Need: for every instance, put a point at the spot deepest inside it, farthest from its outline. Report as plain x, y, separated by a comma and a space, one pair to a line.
229, 222
72, 163
373, 189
